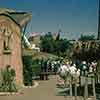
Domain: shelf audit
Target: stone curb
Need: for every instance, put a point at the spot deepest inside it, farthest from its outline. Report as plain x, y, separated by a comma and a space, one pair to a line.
8, 93
20, 91
34, 86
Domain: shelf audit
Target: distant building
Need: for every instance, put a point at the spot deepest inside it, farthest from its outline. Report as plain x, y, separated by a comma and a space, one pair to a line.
55, 34
34, 41
34, 38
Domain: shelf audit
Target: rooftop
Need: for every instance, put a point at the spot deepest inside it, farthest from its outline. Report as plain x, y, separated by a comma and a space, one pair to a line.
21, 18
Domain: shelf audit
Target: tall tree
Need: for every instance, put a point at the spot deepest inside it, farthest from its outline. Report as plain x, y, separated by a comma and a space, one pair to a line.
50, 45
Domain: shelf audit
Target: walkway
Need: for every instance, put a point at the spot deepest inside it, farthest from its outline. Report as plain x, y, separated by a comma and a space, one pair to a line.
46, 90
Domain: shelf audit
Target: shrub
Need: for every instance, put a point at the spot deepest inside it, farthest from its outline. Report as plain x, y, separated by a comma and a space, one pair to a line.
36, 67
27, 70
7, 82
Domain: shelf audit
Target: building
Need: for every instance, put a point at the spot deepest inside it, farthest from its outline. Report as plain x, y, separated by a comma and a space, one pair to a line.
31, 45
34, 38
12, 24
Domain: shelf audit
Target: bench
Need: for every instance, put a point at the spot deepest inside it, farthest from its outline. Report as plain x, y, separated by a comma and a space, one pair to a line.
44, 75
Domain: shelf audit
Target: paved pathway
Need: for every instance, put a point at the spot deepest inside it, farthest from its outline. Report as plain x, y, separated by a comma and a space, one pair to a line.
46, 90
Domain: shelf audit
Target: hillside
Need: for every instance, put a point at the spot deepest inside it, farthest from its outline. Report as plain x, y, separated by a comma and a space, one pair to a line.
38, 55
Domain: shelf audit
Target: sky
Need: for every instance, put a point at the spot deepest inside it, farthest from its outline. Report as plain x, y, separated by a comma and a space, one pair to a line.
50, 15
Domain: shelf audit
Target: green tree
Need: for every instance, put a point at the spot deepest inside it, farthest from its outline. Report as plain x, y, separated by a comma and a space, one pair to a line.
46, 42
86, 37
55, 46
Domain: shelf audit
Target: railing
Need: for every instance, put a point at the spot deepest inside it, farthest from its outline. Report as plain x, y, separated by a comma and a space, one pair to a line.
74, 82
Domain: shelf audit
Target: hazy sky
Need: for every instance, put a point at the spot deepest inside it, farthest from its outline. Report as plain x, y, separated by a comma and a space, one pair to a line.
49, 15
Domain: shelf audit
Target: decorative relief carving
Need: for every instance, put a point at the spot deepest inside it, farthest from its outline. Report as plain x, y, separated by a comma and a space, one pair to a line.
6, 35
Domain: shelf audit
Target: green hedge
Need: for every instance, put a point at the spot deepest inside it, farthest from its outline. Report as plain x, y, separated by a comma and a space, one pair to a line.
27, 70
36, 67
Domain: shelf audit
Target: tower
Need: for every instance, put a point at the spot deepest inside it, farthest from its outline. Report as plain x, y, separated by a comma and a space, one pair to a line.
59, 32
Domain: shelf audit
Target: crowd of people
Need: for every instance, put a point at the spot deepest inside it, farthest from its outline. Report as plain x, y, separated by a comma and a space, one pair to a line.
70, 69
66, 68
68, 65
48, 65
